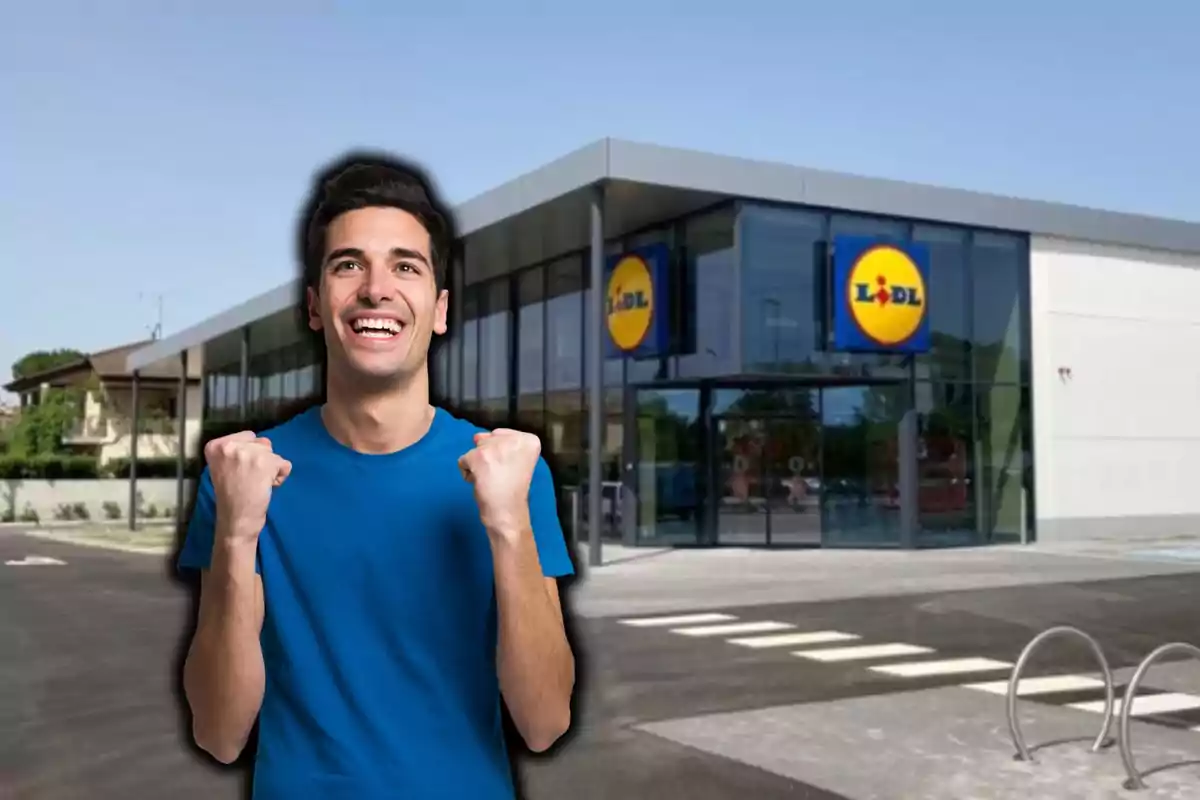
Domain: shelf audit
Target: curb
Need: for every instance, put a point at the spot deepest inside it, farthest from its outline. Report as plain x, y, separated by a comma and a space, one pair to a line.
102, 544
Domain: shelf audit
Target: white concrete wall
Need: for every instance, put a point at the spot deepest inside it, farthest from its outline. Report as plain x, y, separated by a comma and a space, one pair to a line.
46, 496
1116, 349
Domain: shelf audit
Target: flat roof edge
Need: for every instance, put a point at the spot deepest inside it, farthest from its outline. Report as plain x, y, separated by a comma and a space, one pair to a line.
562, 176
785, 183
282, 297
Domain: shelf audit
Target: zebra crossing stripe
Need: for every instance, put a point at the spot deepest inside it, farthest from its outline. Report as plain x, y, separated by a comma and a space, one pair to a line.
1049, 684
794, 639
953, 666
680, 619
863, 652
733, 627
1145, 705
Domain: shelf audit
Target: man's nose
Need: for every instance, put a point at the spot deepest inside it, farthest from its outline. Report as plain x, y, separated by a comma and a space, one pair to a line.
376, 287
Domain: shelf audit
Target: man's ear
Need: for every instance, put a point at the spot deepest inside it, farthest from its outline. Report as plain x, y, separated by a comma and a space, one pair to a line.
314, 308
439, 312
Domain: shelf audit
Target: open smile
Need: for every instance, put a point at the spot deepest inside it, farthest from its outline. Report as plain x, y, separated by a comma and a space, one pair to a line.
377, 328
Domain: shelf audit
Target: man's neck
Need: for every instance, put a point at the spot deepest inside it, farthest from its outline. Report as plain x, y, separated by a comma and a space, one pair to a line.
378, 422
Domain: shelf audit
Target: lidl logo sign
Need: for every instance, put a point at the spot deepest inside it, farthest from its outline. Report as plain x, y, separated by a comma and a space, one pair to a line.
634, 306
880, 295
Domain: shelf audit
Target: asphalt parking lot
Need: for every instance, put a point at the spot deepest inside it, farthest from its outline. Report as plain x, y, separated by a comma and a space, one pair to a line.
90, 708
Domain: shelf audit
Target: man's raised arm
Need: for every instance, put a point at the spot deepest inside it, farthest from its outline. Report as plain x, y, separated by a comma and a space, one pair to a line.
224, 675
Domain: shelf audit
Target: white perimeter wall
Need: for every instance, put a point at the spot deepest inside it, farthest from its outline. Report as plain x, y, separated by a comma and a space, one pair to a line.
1117, 437
45, 497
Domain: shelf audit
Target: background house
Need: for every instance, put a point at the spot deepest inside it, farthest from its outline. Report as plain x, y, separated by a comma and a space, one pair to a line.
103, 425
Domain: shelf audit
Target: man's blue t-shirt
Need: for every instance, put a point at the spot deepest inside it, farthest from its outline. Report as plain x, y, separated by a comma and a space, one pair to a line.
380, 631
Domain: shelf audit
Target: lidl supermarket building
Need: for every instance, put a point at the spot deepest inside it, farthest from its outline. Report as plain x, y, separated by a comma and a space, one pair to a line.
794, 357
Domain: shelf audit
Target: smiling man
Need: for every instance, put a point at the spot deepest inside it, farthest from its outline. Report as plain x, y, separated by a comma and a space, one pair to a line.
377, 573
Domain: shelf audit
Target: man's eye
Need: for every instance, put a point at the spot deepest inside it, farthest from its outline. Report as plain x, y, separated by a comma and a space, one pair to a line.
406, 267
343, 265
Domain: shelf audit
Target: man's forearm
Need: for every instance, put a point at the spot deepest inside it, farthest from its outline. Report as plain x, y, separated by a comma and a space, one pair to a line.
535, 664
224, 677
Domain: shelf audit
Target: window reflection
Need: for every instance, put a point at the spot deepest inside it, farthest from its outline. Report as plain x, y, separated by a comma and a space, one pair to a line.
531, 339
946, 463
781, 289
494, 351
949, 303
710, 286
670, 466
996, 265
470, 348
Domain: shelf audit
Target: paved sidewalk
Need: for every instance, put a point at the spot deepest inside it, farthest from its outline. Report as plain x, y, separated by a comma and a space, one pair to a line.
645, 581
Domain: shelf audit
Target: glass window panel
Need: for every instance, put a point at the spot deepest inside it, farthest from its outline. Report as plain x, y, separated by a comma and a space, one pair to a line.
710, 286
671, 466
946, 473
999, 304
565, 422
470, 350
780, 289
862, 225
564, 327
1002, 458
949, 303
494, 345
531, 338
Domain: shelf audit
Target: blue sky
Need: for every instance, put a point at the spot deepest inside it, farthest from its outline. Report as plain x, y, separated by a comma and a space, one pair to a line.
167, 152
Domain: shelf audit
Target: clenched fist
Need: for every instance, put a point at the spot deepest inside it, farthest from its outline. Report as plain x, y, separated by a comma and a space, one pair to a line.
500, 467
244, 470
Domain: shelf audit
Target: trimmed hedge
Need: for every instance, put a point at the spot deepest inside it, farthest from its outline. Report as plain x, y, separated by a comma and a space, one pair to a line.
152, 468
55, 468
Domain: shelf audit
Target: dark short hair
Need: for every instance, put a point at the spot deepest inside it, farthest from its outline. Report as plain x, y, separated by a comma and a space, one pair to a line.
372, 180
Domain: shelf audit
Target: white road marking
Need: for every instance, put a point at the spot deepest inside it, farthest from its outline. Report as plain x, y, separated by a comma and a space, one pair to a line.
795, 639
1146, 704
684, 619
863, 652
35, 561
733, 627
1044, 685
953, 666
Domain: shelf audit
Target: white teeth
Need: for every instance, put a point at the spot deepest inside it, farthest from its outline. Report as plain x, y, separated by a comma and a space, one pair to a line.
376, 327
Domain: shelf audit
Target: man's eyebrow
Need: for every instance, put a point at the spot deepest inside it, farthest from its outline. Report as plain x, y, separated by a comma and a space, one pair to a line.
396, 252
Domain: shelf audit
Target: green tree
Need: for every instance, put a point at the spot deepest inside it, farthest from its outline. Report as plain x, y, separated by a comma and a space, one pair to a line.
42, 360
41, 427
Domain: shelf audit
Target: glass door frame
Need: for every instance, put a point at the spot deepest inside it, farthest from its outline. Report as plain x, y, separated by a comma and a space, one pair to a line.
708, 504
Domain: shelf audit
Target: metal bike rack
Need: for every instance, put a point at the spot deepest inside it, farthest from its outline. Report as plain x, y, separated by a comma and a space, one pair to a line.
1014, 682
1135, 777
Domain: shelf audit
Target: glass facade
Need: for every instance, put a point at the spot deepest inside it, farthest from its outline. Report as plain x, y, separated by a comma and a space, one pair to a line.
753, 431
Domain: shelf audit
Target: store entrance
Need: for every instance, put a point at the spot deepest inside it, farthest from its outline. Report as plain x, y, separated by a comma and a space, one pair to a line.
815, 465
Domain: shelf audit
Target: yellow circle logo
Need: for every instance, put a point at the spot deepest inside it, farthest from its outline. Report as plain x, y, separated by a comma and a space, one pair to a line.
886, 294
630, 306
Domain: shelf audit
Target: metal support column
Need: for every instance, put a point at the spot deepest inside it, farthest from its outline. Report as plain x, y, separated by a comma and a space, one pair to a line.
134, 423
909, 500
595, 374
181, 456
244, 376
